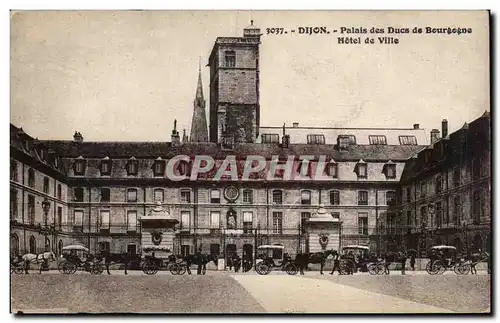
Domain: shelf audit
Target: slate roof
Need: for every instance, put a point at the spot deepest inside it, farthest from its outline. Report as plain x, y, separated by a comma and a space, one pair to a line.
165, 150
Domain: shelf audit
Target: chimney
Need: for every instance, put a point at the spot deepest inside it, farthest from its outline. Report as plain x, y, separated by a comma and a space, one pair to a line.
295, 124
416, 126
77, 137
175, 138
444, 128
434, 135
286, 141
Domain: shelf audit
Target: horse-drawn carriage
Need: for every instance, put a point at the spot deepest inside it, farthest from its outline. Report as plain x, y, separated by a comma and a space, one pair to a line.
177, 265
444, 257
272, 256
357, 257
72, 262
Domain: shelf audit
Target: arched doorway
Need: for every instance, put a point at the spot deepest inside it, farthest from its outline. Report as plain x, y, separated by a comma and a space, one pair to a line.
14, 244
230, 250
248, 250
458, 244
32, 245
477, 242
59, 247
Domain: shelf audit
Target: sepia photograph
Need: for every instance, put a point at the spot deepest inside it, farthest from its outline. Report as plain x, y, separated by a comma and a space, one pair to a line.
250, 162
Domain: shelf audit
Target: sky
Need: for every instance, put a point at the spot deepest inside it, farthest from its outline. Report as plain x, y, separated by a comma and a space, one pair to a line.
126, 75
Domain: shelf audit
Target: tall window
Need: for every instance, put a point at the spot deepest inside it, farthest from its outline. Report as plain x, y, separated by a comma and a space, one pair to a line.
13, 204
214, 220
185, 196
423, 215
316, 139
408, 140
361, 169
78, 218
185, 223
59, 217
13, 170
363, 223
104, 222
59, 191
409, 219
457, 210
247, 196
132, 166
158, 195
247, 222
31, 178
408, 194
476, 207
333, 169
362, 197
423, 189
476, 168
105, 194
270, 138
377, 140
304, 216
78, 194
106, 167
46, 185
439, 214
389, 197
79, 167
456, 176
334, 197
439, 184
33, 245
278, 222
215, 196
390, 170
132, 195
131, 221
31, 209
305, 197
158, 167
229, 58
277, 197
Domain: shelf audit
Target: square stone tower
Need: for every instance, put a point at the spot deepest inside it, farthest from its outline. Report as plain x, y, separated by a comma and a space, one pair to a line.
234, 87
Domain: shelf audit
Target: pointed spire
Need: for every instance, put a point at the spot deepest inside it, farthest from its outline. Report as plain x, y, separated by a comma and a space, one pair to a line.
199, 129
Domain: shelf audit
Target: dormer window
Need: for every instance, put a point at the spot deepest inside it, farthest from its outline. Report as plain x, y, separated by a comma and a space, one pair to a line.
315, 139
159, 167
377, 140
42, 154
106, 166
408, 140
79, 166
343, 141
332, 169
361, 169
132, 166
389, 169
270, 138
184, 168
229, 58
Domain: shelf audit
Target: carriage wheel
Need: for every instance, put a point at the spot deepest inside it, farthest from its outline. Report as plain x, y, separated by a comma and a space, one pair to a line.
174, 270
372, 269
204, 270
431, 270
69, 268
19, 270
465, 268
441, 267
291, 269
60, 267
181, 269
150, 268
96, 269
262, 268
12, 268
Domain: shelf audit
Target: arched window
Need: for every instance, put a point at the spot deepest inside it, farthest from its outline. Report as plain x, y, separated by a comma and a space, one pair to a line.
59, 247
31, 178
305, 197
32, 245
14, 244
277, 197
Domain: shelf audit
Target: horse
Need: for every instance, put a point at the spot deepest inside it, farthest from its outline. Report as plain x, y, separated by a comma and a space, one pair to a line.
476, 258
42, 258
197, 259
117, 258
303, 259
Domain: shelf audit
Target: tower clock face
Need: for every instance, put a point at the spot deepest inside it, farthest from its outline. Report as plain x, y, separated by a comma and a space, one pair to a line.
231, 193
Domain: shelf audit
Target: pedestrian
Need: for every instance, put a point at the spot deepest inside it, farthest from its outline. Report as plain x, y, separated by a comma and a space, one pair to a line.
403, 258
126, 258
412, 261
230, 260
199, 260
387, 263
237, 263
336, 264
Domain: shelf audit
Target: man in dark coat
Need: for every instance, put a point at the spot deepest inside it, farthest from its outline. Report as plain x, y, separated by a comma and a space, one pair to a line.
412, 261
403, 257
336, 264
126, 259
